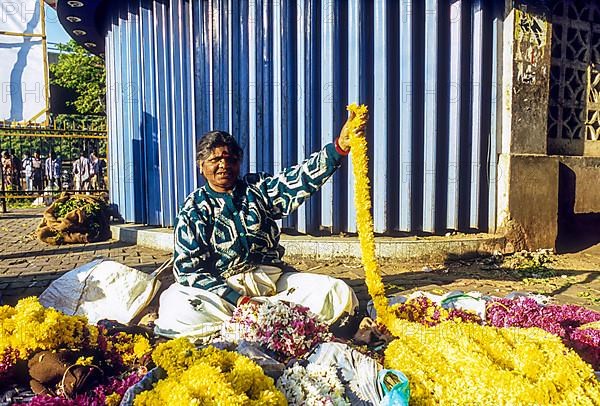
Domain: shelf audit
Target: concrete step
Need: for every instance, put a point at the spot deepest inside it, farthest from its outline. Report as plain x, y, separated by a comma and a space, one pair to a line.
399, 248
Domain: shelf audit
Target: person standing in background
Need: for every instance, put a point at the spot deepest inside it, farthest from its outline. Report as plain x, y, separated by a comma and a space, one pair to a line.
7, 170
28, 169
95, 172
82, 171
16, 164
38, 171
52, 170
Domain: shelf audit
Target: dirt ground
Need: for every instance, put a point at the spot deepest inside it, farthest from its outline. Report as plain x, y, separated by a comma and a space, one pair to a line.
566, 279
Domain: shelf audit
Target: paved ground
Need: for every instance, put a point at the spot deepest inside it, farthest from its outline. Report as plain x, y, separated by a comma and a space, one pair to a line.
568, 278
27, 266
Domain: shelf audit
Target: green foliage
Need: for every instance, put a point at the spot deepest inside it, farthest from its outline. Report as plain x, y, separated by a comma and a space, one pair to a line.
95, 211
79, 122
66, 148
85, 73
25, 203
90, 209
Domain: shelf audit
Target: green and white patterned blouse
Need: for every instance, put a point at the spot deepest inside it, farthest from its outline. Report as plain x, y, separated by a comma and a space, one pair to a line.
220, 234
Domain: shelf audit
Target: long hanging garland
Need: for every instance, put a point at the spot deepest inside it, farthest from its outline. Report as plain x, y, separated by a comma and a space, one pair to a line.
364, 220
463, 363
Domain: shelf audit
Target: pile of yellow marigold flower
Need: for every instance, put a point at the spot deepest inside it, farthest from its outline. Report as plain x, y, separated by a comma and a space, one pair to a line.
208, 376
463, 363
29, 327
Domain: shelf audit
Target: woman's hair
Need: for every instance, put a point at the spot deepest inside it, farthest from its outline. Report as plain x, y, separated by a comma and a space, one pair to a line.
214, 139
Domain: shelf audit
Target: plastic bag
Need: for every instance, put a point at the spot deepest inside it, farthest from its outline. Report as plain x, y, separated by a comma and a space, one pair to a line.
395, 387
102, 290
145, 384
358, 371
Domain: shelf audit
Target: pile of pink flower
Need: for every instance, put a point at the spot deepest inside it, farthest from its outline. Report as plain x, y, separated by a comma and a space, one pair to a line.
287, 329
7, 360
109, 394
562, 320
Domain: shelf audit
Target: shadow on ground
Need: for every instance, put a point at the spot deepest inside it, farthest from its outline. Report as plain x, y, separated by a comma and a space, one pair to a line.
69, 249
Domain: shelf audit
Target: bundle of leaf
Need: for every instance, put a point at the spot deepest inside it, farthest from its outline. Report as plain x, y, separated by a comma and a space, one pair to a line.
75, 219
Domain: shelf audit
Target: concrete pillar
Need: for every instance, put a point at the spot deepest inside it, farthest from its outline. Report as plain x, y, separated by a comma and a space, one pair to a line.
527, 177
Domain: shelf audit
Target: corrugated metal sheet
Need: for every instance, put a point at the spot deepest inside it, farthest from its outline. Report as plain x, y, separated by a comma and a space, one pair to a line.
278, 74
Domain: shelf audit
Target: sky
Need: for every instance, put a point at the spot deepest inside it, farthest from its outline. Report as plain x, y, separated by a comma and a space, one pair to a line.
54, 31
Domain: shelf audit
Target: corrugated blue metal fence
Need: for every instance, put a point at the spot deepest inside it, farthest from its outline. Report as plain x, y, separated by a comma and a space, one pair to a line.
278, 74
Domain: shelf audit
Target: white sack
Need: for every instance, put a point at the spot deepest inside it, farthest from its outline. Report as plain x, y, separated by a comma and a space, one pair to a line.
102, 290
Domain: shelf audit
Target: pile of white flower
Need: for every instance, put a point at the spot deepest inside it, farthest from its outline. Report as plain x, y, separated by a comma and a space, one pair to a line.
313, 385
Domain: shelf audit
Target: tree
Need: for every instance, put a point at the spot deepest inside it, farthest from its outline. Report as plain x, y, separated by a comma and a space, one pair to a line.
83, 72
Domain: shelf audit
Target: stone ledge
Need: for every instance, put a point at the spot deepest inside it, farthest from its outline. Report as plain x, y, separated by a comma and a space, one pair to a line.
400, 248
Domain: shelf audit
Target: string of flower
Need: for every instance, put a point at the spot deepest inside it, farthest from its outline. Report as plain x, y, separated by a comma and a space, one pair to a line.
465, 363
364, 222
364, 219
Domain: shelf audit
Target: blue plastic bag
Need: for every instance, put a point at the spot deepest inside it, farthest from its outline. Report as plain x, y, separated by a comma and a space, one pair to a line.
395, 388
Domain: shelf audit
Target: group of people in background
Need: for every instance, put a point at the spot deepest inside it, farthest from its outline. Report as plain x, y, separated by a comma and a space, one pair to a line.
34, 173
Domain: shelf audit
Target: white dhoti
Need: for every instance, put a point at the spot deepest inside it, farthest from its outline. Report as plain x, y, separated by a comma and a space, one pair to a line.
192, 312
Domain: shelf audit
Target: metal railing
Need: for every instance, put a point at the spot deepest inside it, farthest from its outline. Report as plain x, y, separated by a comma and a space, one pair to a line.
44, 161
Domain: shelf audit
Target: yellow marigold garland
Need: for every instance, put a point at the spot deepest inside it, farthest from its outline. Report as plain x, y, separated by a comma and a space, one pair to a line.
464, 363
208, 376
364, 220
593, 325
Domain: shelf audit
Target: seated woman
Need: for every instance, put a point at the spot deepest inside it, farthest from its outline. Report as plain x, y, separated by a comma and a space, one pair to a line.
227, 248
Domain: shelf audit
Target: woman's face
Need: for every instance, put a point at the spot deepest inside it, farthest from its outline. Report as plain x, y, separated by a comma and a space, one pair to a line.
221, 169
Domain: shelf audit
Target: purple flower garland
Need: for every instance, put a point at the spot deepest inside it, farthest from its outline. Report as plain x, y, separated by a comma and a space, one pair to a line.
561, 320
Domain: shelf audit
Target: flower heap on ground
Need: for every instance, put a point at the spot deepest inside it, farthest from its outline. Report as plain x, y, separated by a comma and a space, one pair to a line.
465, 363
460, 363
562, 320
124, 351
288, 329
312, 385
424, 311
574, 324
29, 327
208, 376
